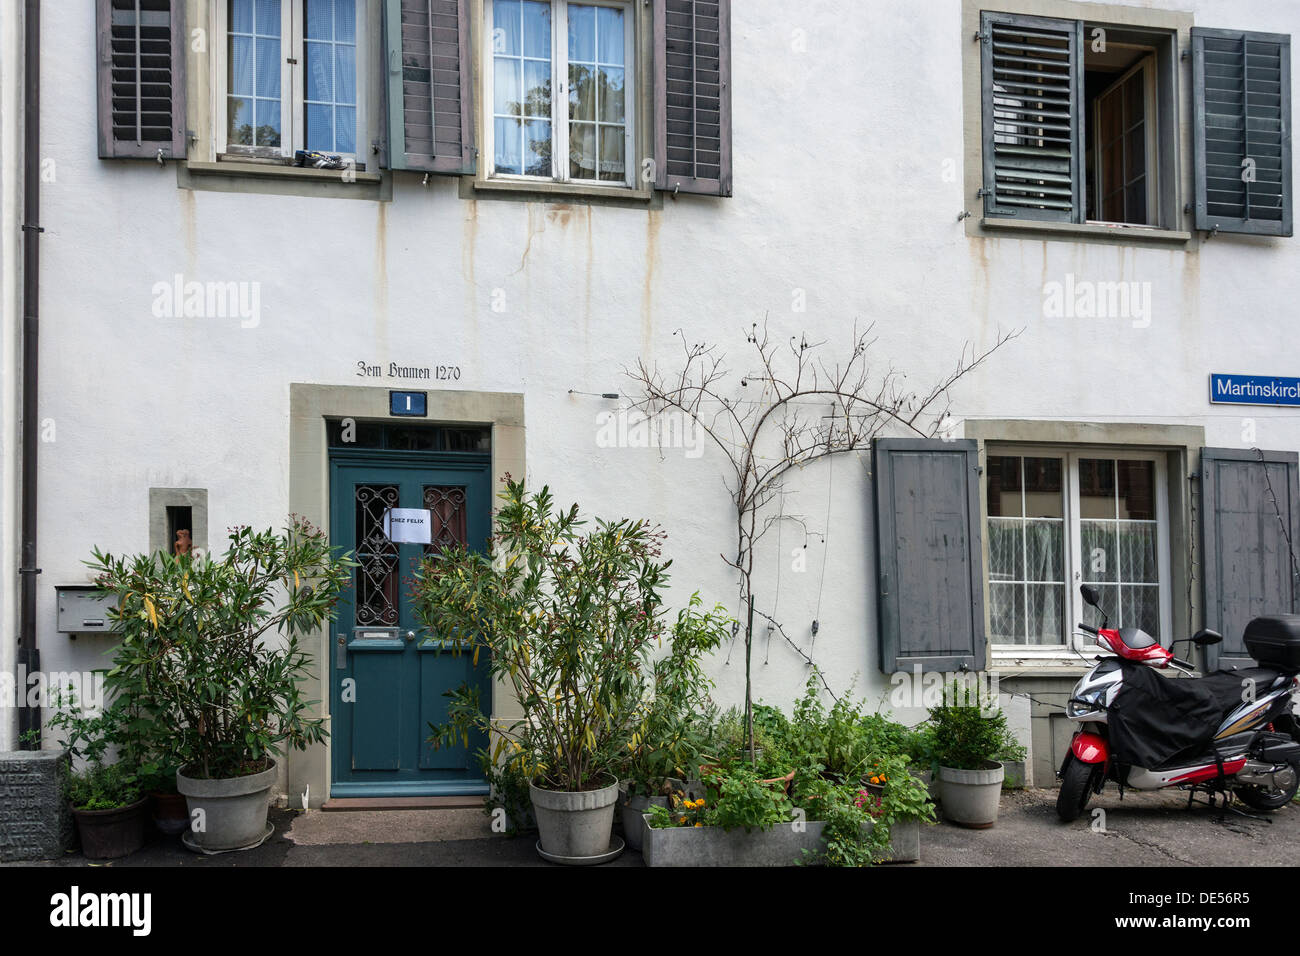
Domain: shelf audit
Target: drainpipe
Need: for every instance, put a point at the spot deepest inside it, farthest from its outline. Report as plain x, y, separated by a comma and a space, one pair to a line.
29, 657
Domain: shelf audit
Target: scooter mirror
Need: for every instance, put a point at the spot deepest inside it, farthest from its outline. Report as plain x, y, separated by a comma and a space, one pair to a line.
1206, 636
1090, 595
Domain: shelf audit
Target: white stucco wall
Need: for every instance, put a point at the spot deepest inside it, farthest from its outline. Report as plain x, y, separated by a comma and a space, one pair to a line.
840, 191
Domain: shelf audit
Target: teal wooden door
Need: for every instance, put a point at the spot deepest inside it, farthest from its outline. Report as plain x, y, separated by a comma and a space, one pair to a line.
389, 676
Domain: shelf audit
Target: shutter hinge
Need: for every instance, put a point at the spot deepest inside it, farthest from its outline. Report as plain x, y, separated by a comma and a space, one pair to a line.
984, 35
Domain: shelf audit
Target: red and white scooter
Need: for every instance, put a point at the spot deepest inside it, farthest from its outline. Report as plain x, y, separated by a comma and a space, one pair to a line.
1231, 732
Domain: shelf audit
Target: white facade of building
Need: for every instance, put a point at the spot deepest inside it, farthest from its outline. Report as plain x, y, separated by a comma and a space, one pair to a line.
857, 149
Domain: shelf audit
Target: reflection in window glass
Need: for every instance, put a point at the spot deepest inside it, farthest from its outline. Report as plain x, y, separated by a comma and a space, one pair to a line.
253, 80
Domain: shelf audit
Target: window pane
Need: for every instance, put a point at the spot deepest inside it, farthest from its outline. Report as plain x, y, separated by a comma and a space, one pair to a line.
345, 129
537, 142
609, 35
1044, 550
345, 21
268, 68
1043, 498
241, 66
582, 150
507, 137
1044, 607
241, 16
267, 22
505, 87
268, 123
345, 74
1096, 488
1006, 549
611, 96
537, 88
537, 29
1003, 485
582, 94
1100, 562
613, 144
239, 130
320, 19
505, 28
1007, 613
582, 34
1137, 552
1109, 603
320, 126
1137, 490
320, 72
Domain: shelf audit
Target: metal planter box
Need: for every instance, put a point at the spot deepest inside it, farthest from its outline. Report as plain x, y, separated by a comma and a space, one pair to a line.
783, 845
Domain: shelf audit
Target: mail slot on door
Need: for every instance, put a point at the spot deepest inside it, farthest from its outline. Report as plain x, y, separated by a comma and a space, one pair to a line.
82, 610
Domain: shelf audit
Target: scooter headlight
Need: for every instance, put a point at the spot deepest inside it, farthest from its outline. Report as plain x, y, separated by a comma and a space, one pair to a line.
1084, 705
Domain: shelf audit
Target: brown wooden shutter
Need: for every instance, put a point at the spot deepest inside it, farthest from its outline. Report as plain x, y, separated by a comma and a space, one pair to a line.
430, 113
141, 77
692, 48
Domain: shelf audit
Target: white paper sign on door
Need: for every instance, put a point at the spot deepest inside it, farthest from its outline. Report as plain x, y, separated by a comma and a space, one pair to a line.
408, 525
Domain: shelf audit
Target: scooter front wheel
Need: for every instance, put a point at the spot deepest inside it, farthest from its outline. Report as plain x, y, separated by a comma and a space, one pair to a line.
1078, 781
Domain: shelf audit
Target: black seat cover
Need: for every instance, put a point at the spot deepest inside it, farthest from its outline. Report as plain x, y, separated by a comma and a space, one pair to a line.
1229, 687
1154, 717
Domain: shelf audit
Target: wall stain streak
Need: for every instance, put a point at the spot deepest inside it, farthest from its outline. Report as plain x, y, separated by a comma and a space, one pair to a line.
652, 225
381, 273
586, 309
468, 247
534, 229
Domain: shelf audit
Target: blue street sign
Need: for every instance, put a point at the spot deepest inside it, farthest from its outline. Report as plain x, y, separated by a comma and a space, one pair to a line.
1254, 389
408, 403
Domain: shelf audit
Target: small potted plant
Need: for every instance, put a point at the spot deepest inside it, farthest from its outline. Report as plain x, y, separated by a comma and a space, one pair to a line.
968, 734
106, 797
210, 649
566, 619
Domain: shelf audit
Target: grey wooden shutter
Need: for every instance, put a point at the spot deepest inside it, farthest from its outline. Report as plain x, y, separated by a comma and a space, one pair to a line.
141, 78
1241, 87
1032, 93
430, 109
1247, 563
929, 555
692, 77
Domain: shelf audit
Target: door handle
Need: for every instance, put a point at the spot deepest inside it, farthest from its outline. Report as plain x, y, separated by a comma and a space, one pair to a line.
341, 654
410, 636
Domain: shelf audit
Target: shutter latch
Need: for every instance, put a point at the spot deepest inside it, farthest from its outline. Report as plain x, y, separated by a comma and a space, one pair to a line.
984, 35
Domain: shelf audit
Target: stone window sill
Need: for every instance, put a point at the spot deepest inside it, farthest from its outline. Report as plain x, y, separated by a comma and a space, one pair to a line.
233, 167
1087, 232
524, 189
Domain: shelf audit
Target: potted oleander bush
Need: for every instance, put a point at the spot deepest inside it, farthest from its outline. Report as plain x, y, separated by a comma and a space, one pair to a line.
968, 732
672, 735
210, 649
566, 616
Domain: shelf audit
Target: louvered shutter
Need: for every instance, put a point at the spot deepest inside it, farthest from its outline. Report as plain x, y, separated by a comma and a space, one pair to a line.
692, 44
141, 78
430, 116
1032, 92
1241, 84
929, 555
1250, 526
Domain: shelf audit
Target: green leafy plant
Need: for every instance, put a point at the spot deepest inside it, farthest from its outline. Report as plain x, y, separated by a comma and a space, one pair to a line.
210, 646
99, 783
566, 619
672, 735
967, 731
736, 799
507, 790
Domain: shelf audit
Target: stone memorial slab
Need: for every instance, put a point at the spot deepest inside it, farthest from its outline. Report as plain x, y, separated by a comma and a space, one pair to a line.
35, 823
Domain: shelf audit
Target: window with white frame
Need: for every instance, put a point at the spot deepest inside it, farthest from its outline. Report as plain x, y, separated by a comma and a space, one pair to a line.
291, 76
1058, 519
560, 97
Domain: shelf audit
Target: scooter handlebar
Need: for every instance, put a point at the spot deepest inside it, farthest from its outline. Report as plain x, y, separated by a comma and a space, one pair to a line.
1088, 627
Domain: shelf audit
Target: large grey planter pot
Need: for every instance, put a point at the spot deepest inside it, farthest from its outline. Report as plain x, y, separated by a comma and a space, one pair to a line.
1016, 775
577, 824
233, 810
904, 842
970, 797
632, 816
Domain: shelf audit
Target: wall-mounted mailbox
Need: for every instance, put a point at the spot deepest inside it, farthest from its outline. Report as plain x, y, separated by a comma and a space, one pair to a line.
82, 610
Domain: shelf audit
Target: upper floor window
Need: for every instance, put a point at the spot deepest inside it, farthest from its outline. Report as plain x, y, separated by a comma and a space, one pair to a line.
560, 91
292, 77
